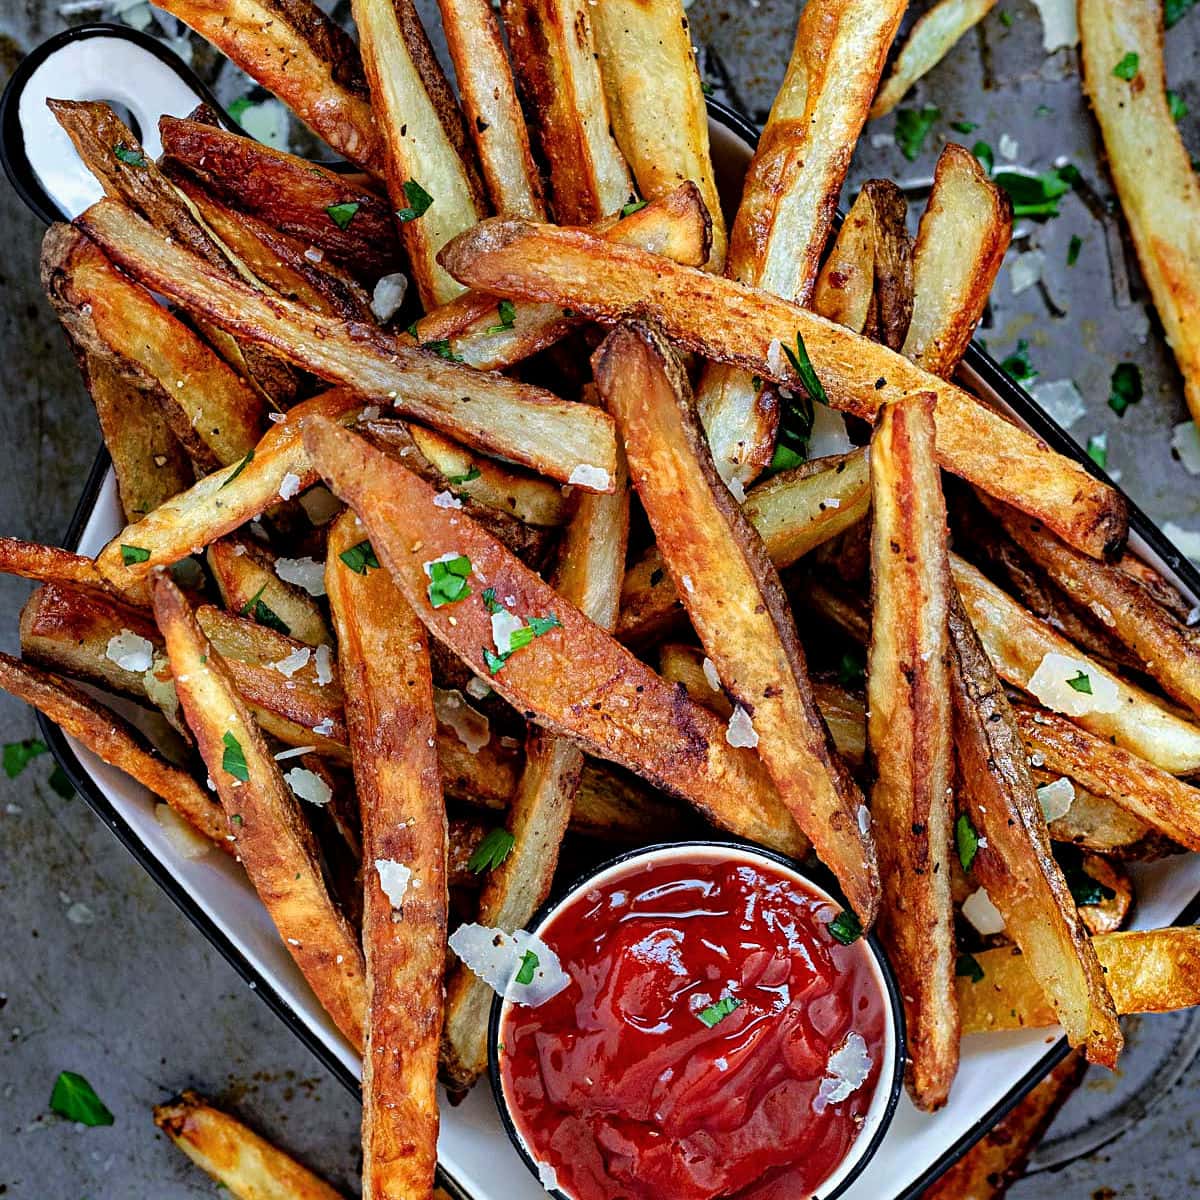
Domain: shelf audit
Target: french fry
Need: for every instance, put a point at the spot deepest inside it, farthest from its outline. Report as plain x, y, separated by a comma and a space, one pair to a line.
554, 56
428, 183
1148, 970
307, 60
793, 511
729, 322
909, 733
866, 283
1148, 792
236, 1157
290, 193
216, 415
790, 195
934, 35
496, 414
656, 101
1017, 642
116, 742
246, 576
964, 233
1166, 649
1013, 860
1150, 165
1101, 826
669, 741
384, 661
51, 564
270, 835
735, 601
491, 107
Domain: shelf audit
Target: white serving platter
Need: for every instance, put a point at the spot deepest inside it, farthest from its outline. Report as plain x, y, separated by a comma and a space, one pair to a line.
996, 1069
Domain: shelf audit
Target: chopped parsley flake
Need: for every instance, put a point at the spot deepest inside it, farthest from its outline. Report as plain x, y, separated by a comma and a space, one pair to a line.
968, 966
1177, 105
448, 581
986, 155
1084, 889
1073, 249
1017, 365
60, 781
1037, 196
519, 638
1082, 682
963, 126
784, 458
239, 469
633, 206
508, 313
18, 755
259, 610
852, 670
714, 1014
1175, 10
342, 214
529, 964
133, 554
966, 840
1006, 19
1097, 449
1127, 68
491, 852
418, 199
541, 625
473, 473
845, 928
912, 128
442, 349
1125, 388
233, 760
490, 602
360, 558
74, 1098
131, 158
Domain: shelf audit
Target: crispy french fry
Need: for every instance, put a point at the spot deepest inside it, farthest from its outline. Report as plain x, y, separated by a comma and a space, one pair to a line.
1150, 970
790, 196
793, 511
490, 104
1155, 178
215, 414
236, 1157
428, 183
734, 598
1017, 642
51, 564
1149, 793
671, 742
554, 56
270, 835
517, 421
290, 193
389, 713
1100, 825
1014, 862
307, 60
909, 732
116, 742
934, 35
656, 101
729, 322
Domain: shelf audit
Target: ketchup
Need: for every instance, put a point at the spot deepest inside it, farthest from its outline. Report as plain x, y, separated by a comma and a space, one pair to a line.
685, 1059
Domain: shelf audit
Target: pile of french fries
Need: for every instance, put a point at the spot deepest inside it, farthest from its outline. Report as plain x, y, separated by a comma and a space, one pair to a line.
555, 545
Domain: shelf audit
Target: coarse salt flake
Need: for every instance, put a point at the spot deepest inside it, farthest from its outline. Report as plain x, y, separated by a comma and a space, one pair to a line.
847, 1070
394, 878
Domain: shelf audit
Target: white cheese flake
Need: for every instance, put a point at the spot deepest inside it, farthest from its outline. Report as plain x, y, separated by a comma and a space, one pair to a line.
324, 664
846, 1072
1073, 686
1026, 271
394, 878
186, 841
130, 651
388, 296
496, 957
1060, 398
741, 731
324, 727
1060, 23
736, 489
864, 820
547, 1176
296, 661
1009, 147
305, 573
688, 585
1185, 441
982, 913
775, 357
504, 625
710, 674
308, 785
470, 726
314, 254
477, 689
289, 486
1056, 798
447, 499
596, 478
829, 434
293, 752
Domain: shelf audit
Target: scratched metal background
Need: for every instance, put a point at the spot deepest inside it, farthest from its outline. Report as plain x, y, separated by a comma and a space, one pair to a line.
98, 972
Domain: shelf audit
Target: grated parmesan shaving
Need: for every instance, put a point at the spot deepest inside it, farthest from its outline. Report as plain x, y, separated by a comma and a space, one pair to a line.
982, 913
848, 1068
446, 499
296, 661
1185, 441
477, 689
388, 296
1056, 798
471, 727
1026, 271
324, 663
394, 878
1060, 23
1050, 683
130, 651
590, 477
710, 674
289, 486
496, 957
1059, 397
740, 731
504, 625
293, 752
829, 434
308, 785
305, 573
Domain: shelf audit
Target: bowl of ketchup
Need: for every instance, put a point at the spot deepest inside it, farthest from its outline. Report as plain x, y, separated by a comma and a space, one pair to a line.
716, 1028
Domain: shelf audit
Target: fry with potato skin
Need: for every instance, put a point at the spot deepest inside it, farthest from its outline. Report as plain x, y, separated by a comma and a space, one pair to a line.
236, 1157
909, 733
1148, 970
270, 835
617, 708
384, 661
1014, 862
733, 595
499, 415
1151, 167
729, 322
52, 564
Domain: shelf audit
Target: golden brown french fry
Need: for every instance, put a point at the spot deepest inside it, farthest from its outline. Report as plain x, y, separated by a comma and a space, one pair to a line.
729, 322
215, 414
389, 713
961, 241
491, 107
1148, 970
236, 1157
1013, 860
116, 742
51, 564
675, 745
909, 732
656, 101
1100, 825
1017, 642
933, 36
270, 835
1156, 181
290, 193
790, 195
430, 189
221, 502
554, 55
307, 60
735, 601
570, 442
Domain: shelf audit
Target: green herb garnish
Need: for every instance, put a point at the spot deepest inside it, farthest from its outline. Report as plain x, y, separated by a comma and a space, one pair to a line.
714, 1014
493, 661
543, 625
508, 313
963, 126
968, 965
1127, 68
490, 602
1006, 19
1017, 365
360, 558
803, 367
1097, 449
1037, 196
1084, 889
520, 638
239, 469
259, 610
852, 670
1081, 683
529, 964
491, 852
18, 755
1177, 105
442, 349
784, 459
1125, 388
74, 1098
1073, 249
473, 473
845, 928
342, 214
418, 199
633, 206
966, 840
133, 554
131, 158
233, 760
912, 128
1174, 10
60, 781
986, 155
448, 580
